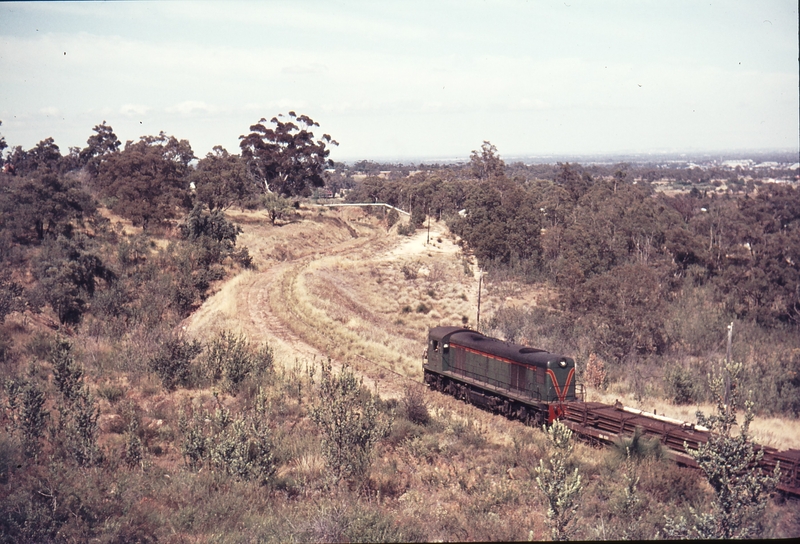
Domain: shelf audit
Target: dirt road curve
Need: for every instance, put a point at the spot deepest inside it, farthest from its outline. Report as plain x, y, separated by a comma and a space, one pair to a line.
323, 288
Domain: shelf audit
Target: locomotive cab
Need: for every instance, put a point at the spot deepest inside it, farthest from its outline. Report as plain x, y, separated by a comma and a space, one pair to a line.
437, 355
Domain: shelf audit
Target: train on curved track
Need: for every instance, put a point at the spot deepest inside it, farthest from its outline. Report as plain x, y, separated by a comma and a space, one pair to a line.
537, 387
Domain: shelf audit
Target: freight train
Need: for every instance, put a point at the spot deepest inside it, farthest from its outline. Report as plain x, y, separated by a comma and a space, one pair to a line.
517, 381
536, 386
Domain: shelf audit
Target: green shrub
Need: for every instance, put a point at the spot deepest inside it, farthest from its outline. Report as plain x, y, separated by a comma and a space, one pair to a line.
67, 272
560, 487
392, 218
351, 424
230, 359
638, 446
10, 457
243, 257
67, 374
682, 386
10, 294
79, 419
134, 449
406, 229
264, 359
729, 462
194, 445
244, 450
26, 410
6, 347
403, 431
414, 406
238, 445
173, 361
112, 393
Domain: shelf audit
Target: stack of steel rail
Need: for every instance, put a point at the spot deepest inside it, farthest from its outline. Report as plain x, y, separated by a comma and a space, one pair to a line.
603, 423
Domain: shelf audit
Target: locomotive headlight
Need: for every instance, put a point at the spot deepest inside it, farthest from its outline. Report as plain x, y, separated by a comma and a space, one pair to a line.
562, 363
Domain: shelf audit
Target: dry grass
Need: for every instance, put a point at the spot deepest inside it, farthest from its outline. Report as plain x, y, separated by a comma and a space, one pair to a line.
347, 303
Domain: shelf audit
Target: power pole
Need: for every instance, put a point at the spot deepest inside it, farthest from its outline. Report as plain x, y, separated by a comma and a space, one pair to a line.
428, 241
727, 366
480, 281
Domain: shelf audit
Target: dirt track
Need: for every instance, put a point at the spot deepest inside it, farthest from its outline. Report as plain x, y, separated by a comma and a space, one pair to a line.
331, 285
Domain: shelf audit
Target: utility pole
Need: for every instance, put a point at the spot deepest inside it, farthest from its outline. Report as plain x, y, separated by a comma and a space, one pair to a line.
727, 366
428, 241
480, 281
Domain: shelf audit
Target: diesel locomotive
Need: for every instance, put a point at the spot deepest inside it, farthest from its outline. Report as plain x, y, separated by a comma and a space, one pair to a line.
517, 381
536, 386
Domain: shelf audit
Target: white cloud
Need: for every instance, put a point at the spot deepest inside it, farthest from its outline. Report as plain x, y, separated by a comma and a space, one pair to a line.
190, 107
50, 111
132, 110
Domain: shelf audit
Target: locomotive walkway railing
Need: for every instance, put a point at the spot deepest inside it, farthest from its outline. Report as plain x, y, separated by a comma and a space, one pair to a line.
498, 385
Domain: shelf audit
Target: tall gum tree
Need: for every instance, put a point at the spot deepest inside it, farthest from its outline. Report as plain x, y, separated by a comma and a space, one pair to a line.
99, 145
286, 159
147, 182
487, 163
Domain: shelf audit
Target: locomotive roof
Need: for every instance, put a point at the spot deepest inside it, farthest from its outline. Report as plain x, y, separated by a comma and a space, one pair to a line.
493, 346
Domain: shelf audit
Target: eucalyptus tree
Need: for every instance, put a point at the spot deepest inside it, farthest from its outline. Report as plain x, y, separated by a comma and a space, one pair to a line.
147, 182
98, 147
285, 158
220, 180
487, 163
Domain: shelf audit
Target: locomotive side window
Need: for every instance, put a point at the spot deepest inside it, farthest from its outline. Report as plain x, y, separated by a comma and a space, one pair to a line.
446, 348
435, 345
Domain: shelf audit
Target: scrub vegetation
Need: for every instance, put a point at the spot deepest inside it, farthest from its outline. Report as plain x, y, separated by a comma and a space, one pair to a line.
197, 351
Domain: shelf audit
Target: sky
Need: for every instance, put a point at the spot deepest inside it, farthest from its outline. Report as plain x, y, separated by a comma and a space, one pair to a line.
394, 80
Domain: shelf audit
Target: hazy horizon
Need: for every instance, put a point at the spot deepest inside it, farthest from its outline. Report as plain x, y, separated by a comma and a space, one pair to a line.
395, 81
790, 155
